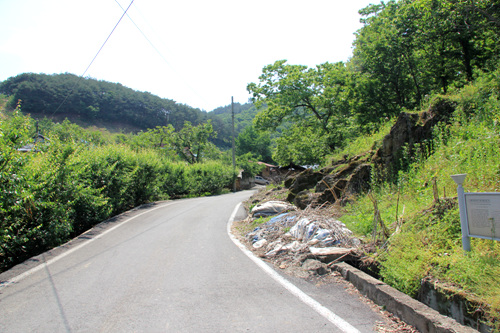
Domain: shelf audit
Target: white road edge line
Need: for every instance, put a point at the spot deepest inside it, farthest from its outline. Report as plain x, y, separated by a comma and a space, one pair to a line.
35, 269
315, 305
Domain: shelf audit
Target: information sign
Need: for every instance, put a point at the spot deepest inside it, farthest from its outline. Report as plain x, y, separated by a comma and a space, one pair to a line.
483, 215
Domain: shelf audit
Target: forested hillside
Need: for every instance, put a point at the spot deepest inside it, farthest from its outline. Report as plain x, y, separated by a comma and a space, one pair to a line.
222, 121
406, 51
89, 102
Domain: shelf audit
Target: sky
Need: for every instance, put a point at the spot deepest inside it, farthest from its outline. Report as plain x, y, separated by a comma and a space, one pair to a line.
195, 52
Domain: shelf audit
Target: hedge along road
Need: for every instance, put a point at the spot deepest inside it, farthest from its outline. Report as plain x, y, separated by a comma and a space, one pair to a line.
169, 267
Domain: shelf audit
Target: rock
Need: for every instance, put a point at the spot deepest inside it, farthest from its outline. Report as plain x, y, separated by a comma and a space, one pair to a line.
360, 179
332, 189
315, 267
307, 179
303, 199
330, 184
409, 129
344, 171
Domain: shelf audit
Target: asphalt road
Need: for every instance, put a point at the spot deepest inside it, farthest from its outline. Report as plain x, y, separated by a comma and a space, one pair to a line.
169, 267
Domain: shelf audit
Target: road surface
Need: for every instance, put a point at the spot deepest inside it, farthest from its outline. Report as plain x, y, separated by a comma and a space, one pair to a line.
169, 267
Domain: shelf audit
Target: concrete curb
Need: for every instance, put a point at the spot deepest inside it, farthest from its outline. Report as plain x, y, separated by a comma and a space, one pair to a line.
403, 306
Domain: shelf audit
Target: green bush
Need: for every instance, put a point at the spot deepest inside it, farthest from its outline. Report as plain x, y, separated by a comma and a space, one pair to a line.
208, 178
426, 235
78, 180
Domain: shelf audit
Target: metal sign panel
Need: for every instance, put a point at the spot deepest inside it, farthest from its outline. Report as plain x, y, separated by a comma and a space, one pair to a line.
483, 215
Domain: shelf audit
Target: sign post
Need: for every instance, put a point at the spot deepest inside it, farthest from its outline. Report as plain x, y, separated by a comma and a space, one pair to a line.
459, 180
479, 214
483, 215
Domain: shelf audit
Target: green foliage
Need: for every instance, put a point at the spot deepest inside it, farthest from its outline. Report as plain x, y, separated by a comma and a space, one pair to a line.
316, 98
191, 141
46, 204
300, 145
406, 51
363, 143
222, 122
208, 178
248, 163
89, 101
115, 107
426, 238
255, 142
81, 177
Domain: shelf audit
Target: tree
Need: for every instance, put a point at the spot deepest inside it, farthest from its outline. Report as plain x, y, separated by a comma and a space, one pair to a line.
191, 141
383, 52
300, 145
247, 162
411, 48
317, 98
256, 142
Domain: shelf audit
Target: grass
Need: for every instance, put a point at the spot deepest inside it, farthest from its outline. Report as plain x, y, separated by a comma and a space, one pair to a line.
425, 235
364, 143
245, 226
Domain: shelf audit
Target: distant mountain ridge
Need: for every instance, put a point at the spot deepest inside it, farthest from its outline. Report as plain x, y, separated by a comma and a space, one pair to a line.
91, 102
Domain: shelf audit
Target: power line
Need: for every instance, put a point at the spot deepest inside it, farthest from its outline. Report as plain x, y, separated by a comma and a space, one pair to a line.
160, 54
124, 13
102, 46
143, 34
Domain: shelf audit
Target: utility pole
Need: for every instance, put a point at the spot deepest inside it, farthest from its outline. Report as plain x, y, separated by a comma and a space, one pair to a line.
166, 113
234, 157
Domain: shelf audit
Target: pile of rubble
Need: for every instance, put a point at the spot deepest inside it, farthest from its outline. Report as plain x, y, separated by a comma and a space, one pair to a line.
300, 238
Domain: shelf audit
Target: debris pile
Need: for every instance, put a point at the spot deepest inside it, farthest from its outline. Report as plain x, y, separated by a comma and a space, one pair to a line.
294, 237
271, 208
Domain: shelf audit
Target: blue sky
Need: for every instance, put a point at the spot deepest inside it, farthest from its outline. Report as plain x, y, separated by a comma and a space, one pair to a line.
196, 52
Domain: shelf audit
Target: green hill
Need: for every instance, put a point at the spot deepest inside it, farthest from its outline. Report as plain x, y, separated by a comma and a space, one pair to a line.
89, 102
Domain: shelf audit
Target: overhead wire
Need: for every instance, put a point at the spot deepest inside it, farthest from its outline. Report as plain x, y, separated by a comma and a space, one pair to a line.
144, 35
116, 25
158, 51
93, 59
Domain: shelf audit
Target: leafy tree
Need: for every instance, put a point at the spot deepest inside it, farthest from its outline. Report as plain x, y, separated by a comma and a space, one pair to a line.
408, 49
314, 98
256, 142
248, 163
191, 141
383, 53
300, 145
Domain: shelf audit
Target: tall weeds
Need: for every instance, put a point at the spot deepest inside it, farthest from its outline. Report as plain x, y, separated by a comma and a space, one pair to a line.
428, 242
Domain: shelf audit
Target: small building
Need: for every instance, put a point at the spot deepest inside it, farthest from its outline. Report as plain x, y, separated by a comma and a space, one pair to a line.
270, 171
